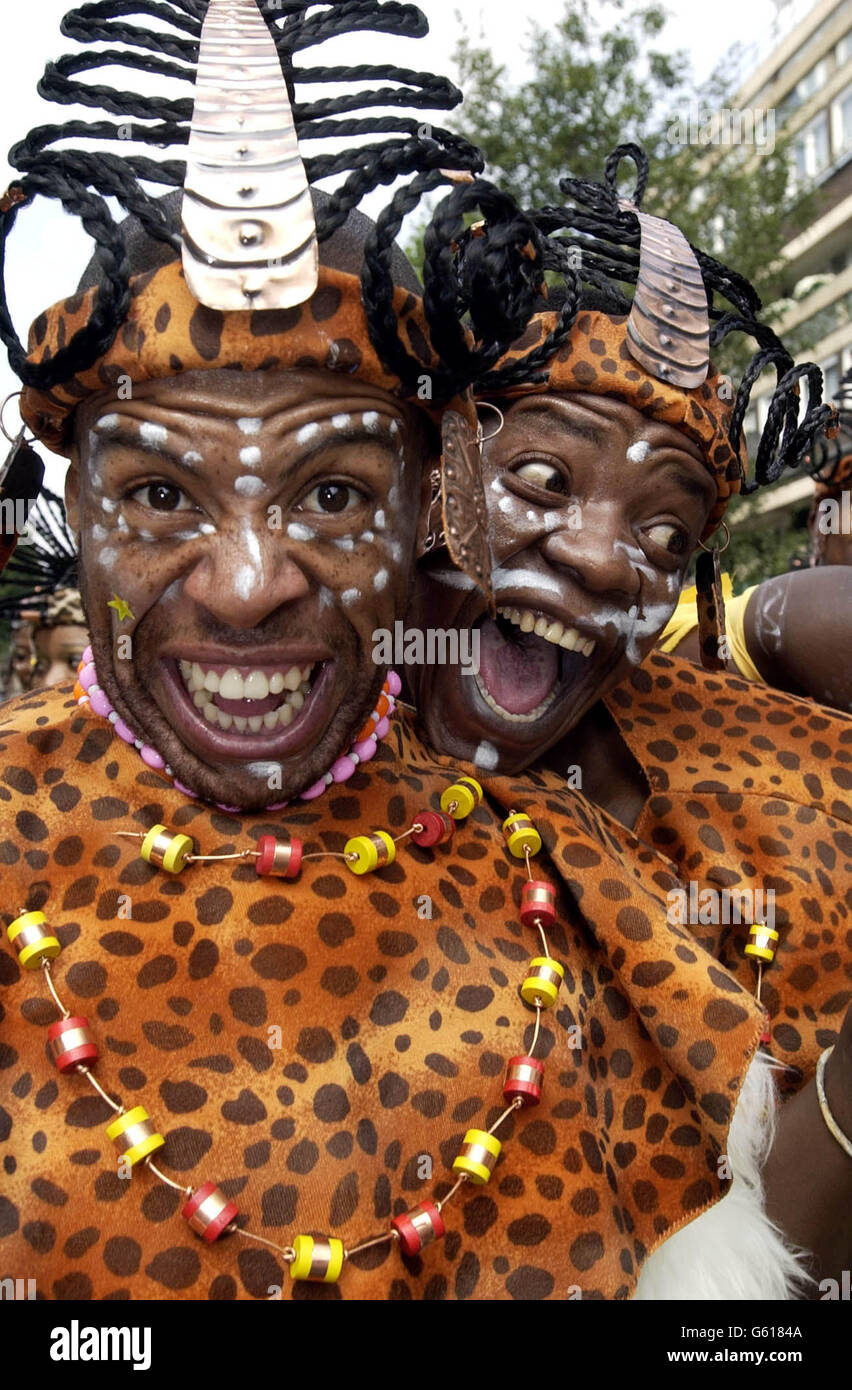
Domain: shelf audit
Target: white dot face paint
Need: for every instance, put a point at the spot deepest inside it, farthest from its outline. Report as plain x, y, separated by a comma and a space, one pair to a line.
341, 422
344, 543
505, 504
370, 421
191, 456
496, 486
249, 424
249, 486
394, 427
207, 528
107, 423
250, 456
99, 533
244, 581
297, 532
486, 755
379, 520
638, 452
367, 537
152, 433
350, 596
107, 558
107, 505
306, 433
380, 580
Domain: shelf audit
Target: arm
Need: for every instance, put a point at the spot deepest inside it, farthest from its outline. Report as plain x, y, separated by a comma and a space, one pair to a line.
798, 633
808, 1177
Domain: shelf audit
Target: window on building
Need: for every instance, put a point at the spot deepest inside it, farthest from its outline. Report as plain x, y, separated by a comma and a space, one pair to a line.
812, 149
830, 378
841, 122
843, 51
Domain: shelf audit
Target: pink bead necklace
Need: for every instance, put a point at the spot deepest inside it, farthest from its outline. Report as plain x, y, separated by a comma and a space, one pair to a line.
87, 691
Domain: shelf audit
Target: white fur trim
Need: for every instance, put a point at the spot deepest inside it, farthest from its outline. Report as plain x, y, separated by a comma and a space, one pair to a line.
733, 1250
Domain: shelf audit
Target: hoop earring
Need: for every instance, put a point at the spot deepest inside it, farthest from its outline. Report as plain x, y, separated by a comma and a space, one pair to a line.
484, 438
13, 439
710, 601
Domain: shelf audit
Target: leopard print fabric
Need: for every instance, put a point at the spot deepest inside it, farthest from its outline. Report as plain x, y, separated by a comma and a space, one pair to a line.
397, 999
167, 331
595, 357
750, 788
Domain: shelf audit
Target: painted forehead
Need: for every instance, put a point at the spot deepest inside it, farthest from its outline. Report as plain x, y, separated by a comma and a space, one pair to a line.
599, 420
252, 431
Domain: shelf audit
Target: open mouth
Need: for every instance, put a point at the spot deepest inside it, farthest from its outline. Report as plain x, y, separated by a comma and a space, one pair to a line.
247, 700
527, 658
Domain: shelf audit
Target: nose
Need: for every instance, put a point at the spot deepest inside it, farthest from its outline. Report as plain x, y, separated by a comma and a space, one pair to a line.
247, 571
595, 554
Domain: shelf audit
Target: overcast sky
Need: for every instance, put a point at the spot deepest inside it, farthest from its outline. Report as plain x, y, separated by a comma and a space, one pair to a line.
48, 250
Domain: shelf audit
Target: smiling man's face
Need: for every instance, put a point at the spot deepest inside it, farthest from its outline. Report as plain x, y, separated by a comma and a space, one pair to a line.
260, 527
594, 512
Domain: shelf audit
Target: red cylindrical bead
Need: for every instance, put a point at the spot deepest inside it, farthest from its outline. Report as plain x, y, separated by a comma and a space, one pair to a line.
538, 900
279, 858
421, 1226
524, 1078
71, 1043
437, 828
209, 1212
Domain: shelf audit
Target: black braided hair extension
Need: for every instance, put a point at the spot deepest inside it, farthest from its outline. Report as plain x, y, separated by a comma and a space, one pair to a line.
80, 180
597, 236
825, 454
48, 563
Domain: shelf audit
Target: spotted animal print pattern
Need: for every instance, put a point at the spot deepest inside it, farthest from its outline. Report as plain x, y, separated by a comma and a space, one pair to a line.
397, 999
596, 357
750, 788
167, 332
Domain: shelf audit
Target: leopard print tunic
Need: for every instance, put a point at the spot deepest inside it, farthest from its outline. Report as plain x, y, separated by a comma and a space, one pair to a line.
315, 1047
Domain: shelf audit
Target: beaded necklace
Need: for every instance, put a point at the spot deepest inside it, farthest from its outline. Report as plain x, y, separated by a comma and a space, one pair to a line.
88, 692
207, 1210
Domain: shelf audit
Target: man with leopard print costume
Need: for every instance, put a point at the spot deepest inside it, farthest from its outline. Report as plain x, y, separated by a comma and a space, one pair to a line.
314, 1049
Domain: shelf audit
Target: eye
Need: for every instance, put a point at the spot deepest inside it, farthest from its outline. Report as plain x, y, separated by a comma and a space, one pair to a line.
542, 474
162, 497
332, 499
669, 537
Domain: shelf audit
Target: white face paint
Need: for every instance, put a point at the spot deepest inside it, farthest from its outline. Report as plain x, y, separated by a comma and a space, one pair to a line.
526, 579
638, 452
367, 536
249, 424
395, 548
244, 581
344, 543
250, 576
107, 423
107, 505
152, 433
496, 486
370, 421
248, 486
306, 433
505, 504
192, 456
380, 580
638, 559
250, 456
207, 528
107, 557
297, 532
99, 533
394, 427
486, 755
379, 520
341, 422
454, 579
350, 596
325, 596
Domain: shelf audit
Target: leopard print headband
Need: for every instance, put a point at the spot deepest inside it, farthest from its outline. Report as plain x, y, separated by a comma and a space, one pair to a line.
596, 358
167, 331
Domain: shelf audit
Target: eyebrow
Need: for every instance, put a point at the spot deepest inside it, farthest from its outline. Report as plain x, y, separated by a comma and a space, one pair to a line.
686, 480
565, 423
352, 434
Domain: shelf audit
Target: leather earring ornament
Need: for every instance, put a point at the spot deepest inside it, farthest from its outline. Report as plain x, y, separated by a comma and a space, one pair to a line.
463, 507
711, 607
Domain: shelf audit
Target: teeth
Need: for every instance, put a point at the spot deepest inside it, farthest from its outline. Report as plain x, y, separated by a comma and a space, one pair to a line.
270, 720
515, 718
186, 670
293, 678
230, 686
550, 629
211, 682
209, 711
197, 677
222, 719
240, 724
276, 683
255, 686
285, 715
296, 700
199, 699
255, 723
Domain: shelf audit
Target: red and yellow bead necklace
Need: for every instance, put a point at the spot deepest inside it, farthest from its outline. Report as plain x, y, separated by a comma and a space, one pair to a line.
207, 1210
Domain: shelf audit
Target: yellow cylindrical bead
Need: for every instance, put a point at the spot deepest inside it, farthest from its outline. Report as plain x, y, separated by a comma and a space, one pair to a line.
521, 835
372, 851
762, 942
166, 849
318, 1260
135, 1134
461, 798
32, 939
479, 1154
543, 981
